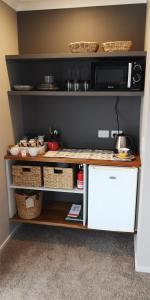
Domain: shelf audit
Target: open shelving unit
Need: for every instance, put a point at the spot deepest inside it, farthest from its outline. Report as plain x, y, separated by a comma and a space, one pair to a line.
31, 68
54, 214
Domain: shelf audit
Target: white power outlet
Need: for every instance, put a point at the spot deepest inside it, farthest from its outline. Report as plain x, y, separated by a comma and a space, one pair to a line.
115, 132
103, 134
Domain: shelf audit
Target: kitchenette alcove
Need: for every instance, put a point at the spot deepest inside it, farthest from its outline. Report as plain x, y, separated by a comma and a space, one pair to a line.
78, 115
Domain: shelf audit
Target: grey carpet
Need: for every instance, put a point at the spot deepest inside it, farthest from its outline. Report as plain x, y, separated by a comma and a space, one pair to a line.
44, 263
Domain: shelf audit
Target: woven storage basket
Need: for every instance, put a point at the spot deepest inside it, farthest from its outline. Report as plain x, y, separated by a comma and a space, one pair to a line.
117, 46
29, 205
27, 175
58, 178
81, 47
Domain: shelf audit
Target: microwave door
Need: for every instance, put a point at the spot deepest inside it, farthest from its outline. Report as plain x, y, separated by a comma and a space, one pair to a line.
112, 76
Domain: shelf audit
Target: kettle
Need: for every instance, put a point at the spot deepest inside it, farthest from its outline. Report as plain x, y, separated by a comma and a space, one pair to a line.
122, 141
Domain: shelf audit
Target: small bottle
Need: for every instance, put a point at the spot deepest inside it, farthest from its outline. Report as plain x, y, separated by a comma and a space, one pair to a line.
80, 178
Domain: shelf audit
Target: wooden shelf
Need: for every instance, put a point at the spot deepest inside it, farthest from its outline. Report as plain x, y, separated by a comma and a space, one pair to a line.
54, 215
75, 55
42, 188
40, 158
73, 94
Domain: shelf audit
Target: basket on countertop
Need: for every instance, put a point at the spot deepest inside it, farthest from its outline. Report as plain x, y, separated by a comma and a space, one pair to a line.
29, 204
58, 178
82, 47
27, 175
117, 46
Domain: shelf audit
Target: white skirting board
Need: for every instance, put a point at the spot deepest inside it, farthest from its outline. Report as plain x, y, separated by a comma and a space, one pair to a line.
14, 230
142, 269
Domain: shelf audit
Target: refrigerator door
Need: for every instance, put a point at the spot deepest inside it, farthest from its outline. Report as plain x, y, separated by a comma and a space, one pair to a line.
112, 198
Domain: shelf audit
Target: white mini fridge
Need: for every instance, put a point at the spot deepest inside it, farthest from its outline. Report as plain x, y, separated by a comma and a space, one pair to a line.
112, 198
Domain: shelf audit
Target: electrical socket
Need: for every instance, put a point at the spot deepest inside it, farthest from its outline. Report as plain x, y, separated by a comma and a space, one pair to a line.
115, 132
103, 134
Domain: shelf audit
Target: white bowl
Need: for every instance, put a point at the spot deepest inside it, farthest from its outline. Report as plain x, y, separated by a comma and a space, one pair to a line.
14, 150
33, 151
42, 149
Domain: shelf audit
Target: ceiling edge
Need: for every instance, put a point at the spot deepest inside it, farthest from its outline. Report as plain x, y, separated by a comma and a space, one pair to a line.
26, 5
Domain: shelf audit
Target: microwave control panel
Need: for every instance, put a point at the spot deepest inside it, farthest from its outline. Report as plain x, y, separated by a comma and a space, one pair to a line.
137, 78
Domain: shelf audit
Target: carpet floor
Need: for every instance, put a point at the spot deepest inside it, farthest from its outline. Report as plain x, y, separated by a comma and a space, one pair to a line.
44, 263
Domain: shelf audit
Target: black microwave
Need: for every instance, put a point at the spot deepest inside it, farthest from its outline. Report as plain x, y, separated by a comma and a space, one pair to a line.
118, 74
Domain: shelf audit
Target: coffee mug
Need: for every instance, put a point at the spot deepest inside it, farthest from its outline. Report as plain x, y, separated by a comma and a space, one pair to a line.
32, 143
23, 143
123, 152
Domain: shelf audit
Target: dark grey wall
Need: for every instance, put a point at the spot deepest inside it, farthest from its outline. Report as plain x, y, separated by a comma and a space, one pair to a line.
79, 118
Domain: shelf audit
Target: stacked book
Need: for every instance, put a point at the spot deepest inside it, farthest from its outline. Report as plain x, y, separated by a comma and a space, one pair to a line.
75, 213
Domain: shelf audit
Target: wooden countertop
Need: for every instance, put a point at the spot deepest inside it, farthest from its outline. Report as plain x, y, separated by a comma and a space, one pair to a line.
136, 163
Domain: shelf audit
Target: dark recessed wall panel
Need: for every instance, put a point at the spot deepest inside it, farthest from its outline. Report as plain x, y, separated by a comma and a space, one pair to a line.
79, 118
51, 30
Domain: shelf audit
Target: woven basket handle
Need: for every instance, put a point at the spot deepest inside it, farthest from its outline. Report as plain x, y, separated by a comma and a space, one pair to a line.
58, 171
26, 169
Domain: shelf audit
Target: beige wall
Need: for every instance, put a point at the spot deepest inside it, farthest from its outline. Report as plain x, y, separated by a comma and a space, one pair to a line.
51, 30
8, 45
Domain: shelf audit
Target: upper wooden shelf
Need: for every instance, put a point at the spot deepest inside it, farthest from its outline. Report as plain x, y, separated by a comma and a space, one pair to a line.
74, 55
40, 158
81, 93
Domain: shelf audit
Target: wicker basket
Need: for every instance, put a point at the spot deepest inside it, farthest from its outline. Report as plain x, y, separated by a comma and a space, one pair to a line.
81, 47
58, 178
29, 204
27, 175
117, 46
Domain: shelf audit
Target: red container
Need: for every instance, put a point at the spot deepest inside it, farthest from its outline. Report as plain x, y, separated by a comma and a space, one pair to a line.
53, 146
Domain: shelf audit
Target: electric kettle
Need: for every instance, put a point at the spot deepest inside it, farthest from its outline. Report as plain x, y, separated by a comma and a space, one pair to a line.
122, 141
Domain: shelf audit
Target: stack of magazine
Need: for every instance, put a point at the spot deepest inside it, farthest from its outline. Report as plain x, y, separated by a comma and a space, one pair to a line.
75, 213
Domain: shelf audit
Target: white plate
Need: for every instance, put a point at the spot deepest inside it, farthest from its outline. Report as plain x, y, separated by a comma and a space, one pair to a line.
128, 158
23, 87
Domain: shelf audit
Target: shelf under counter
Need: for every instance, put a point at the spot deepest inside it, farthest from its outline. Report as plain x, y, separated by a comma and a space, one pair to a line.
44, 189
53, 215
75, 94
136, 163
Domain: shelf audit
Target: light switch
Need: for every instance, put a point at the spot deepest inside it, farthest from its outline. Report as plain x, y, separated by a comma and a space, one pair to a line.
103, 134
